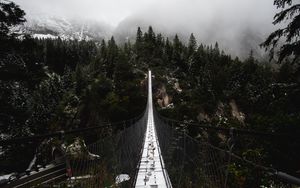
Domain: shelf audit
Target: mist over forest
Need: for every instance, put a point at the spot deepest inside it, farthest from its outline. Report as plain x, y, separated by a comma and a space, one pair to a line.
237, 26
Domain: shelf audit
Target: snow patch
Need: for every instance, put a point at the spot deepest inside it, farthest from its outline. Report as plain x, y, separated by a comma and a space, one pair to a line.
121, 178
43, 26
5, 177
44, 36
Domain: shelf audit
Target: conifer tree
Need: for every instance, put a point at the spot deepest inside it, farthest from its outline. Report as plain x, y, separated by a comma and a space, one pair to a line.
216, 49
10, 15
158, 51
168, 51
139, 35
177, 46
149, 45
139, 42
128, 50
112, 55
289, 33
150, 35
178, 53
192, 46
103, 54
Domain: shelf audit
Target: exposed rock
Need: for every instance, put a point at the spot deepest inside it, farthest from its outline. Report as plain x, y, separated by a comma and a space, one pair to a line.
49, 150
170, 106
79, 150
160, 102
175, 83
177, 87
221, 113
163, 98
220, 109
235, 111
202, 116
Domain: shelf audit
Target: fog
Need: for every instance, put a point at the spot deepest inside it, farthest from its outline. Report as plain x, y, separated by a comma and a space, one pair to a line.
110, 11
238, 25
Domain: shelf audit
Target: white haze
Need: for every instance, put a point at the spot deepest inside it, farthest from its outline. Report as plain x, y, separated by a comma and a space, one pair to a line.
238, 25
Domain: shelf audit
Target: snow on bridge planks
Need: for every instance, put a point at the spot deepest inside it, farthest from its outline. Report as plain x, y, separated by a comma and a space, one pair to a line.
152, 172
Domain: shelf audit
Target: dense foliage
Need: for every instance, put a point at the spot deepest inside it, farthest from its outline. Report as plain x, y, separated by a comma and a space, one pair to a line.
49, 85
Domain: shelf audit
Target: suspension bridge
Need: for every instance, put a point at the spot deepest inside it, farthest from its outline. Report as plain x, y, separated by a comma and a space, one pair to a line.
153, 151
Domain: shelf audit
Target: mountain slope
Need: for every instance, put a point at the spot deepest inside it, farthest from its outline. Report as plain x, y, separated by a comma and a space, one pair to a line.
53, 27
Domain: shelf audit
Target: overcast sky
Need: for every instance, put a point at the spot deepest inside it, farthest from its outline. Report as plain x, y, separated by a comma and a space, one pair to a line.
110, 11
238, 25
114, 11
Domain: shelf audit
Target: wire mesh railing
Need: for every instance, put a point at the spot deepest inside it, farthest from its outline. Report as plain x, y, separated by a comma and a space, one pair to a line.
208, 157
112, 161
110, 157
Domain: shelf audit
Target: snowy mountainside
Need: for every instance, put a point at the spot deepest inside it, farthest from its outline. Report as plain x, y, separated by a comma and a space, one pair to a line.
54, 27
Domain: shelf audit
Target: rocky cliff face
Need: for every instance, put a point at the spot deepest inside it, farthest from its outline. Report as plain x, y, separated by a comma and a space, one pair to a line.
223, 112
163, 99
163, 95
235, 112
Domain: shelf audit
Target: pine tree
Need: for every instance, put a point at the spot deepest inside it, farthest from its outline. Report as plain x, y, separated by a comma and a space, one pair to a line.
10, 15
128, 50
178, 54
103, 51
139, 42
158, 51
216, 50
139, 36
290, 33
177, 46
192, 46
150, 35
149, 45
168, 52
250, 58
112, 55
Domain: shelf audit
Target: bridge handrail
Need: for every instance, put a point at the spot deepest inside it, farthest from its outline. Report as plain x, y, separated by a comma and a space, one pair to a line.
63, 133
282, 175
271, 171
229, 130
